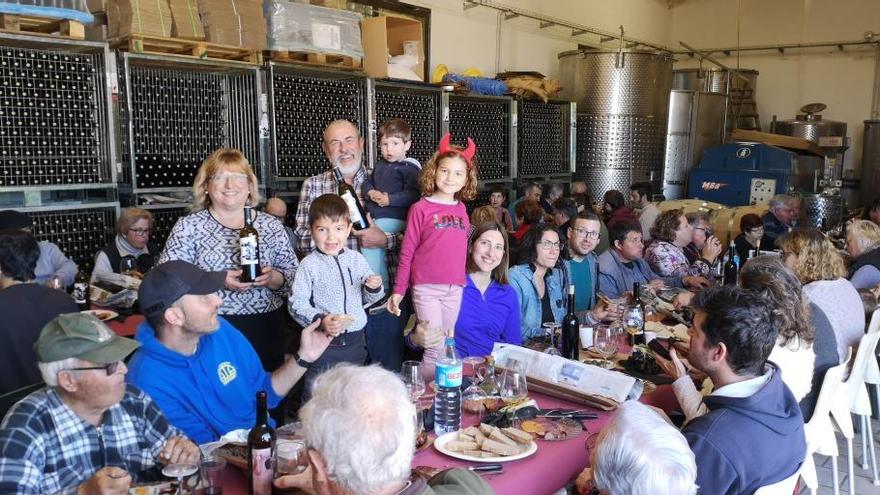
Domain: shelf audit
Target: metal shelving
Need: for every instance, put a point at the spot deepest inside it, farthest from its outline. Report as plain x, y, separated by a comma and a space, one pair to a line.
421, 105
546, 139
491, 121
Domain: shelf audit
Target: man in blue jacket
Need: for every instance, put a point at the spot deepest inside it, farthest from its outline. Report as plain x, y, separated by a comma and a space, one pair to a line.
200, 370
752, 434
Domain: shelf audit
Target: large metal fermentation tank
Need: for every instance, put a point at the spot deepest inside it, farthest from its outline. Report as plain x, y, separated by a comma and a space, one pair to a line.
622, 99
871, 161
741, 110
696, 123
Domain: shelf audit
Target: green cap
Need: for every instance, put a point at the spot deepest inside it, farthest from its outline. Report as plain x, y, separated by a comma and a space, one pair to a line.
81, 335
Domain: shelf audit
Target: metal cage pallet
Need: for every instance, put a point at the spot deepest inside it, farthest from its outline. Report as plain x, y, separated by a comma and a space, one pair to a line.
546, 138
54, 118
164, 216
491, 122
80, 231
420, 105
301, 103
175, 113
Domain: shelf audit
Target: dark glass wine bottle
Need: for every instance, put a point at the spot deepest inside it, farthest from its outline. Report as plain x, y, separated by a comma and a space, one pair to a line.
249, 248
731, 268
81, 290
349, 195
261, 451
570, 330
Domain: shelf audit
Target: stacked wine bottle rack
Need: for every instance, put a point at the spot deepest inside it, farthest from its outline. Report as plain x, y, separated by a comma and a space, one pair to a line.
53, 118
544, 140
79, 232
176, 115
487, 121
420, 107
164, 220
303, 102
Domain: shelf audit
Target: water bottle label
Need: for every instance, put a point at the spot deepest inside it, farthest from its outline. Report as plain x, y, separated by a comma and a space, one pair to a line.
448, 376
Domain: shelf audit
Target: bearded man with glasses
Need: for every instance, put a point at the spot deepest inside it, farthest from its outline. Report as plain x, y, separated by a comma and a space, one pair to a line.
583, 268
87, 431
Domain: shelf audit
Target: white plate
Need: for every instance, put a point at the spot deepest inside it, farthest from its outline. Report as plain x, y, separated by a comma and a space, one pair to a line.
102, 314
441, 441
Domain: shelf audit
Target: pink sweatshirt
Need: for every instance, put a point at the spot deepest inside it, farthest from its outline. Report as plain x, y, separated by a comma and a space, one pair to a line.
434, 247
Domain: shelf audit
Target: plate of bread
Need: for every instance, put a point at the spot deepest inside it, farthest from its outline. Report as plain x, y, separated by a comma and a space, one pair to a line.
487, 443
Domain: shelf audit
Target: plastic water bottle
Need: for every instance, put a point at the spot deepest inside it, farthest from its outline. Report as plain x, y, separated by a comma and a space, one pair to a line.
447, 402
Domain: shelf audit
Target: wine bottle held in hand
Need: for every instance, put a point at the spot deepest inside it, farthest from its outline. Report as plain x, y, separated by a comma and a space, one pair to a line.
261, 451
349, 195
249, 248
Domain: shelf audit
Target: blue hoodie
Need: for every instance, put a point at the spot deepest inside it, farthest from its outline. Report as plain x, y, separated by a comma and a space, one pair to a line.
742, 444
209, 393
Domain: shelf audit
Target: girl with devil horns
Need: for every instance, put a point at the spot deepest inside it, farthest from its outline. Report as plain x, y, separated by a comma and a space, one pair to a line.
432, 256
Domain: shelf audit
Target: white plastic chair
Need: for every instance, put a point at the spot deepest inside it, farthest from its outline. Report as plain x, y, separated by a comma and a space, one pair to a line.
859, 404
819, 431
784, 487
872, 377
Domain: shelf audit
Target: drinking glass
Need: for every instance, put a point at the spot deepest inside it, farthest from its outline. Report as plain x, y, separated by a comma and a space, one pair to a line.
411, 372
605, 341
513, 388
291, 457
180, 471
633, 321
551, 327
470, 366
211, 468
127, 265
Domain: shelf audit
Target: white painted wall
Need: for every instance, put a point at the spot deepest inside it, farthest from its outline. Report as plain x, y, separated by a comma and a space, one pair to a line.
467, 38
843, 81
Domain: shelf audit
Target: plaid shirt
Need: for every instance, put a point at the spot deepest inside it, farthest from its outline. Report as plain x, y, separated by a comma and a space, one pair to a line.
318, 185
46, 448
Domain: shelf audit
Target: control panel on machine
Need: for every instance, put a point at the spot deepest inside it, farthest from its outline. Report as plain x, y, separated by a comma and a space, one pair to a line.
761, 191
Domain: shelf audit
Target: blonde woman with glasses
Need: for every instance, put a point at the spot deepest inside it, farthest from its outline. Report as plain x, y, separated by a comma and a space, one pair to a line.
208, 238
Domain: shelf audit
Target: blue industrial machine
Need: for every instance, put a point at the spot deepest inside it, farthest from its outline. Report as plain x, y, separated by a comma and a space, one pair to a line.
749, 173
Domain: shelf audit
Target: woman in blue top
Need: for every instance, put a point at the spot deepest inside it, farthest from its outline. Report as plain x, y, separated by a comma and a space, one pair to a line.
489, 308
540, 280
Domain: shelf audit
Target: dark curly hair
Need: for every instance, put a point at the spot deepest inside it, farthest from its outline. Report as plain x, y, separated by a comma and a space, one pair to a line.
528, 249
19, 252
614, 199
666, 224
529, 210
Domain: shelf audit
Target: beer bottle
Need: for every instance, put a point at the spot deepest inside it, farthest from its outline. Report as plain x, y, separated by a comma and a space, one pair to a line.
81, 290
249, 248
261, 451
570, 330
349, 195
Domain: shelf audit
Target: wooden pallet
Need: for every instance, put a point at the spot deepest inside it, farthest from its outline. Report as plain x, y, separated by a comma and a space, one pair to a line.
140, 43
42, 26
317, 59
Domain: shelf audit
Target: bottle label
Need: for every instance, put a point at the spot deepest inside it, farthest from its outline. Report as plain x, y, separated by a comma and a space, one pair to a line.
353, 211
448, 375
248, 246
79, 292
261, 471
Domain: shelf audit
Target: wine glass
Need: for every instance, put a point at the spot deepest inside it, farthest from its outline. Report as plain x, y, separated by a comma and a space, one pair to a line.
551, 327
470, 366
605, 341
411, 372
127, 265
634, 322
513, 387
180, 471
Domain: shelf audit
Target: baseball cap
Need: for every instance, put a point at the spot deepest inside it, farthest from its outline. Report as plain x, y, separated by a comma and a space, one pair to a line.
81, 335
12, 219
168, 282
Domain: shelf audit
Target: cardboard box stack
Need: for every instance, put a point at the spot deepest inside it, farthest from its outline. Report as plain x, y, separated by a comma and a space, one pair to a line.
126, 17
234, 22
187, 23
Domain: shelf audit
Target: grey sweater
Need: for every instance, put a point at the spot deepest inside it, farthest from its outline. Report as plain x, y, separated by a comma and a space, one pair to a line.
332, 285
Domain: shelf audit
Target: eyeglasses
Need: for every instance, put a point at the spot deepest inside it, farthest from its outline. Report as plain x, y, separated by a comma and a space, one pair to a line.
707, 232
756, 230
547, 245
589, 234
111, 368
229, 176
140, 231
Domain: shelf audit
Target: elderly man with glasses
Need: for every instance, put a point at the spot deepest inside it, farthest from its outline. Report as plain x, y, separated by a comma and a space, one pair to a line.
86, 432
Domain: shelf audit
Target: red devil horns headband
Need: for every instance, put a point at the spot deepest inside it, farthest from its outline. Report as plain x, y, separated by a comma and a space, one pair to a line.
468, 153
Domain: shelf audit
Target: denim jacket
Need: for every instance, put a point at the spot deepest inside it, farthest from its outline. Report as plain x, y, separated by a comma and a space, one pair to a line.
555, 281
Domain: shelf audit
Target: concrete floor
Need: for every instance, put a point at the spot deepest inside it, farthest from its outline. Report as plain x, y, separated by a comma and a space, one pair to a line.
863, 482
